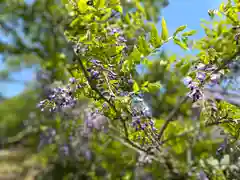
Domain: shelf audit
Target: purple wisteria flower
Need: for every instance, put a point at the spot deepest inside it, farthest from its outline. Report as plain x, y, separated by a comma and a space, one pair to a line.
113, 31
47, 137
187, 80
222, 148
201, 76
202, 175
64, 150
195, 93
60, 98
215, 78
201, 66
88, 154
94, 119
41, 104
141, 115
72, 80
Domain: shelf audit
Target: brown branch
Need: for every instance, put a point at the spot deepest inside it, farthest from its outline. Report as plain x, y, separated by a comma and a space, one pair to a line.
223, 122
171, 116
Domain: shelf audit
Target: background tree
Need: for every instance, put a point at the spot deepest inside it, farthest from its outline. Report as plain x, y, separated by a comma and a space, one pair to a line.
32, 37
188, 148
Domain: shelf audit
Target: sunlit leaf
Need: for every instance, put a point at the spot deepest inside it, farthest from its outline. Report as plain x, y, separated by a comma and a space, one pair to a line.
100, 4
164, 30
82, 5
189, 33
135, 87
179, 29
180, 43
155, 39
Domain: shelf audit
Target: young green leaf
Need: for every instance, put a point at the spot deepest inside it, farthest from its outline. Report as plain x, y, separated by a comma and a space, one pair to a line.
145, 89
164, 30
155, 39
146, 62
118, 8
185, 68
127, 19
100, 4
135, 87
189, 33
181, 44
153, 87
140, 8
82, 5
145, 84
179, 29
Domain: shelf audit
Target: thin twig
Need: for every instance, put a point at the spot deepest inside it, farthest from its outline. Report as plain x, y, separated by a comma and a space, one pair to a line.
223, 122
171, 116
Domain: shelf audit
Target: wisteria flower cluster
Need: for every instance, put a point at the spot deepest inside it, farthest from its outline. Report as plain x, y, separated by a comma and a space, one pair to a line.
94, 119
61, 97
202, 71
141, 117
47, 137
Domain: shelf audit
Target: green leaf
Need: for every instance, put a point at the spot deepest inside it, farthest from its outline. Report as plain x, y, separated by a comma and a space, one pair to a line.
127, 19
153, 87
82, 5
155, 39
135, 56
135, 87
100, 4
139, 7
118, 8
106, 16
164, 30
146, 62
126, 65
181, 44
179, 29
189, 33
185, 68
145, 89
178, 147
143, 46
43, 128
221, 7
145, 84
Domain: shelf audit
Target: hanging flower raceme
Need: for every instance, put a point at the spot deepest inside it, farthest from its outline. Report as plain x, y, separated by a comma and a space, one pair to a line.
202, 71
94, 119
61, 97
47, 137
141, 114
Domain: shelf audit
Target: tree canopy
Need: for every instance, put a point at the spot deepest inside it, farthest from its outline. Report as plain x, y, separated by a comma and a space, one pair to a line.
89, 114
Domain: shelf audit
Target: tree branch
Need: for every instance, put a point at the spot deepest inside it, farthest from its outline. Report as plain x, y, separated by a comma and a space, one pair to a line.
171, 116
177, 107
100, 94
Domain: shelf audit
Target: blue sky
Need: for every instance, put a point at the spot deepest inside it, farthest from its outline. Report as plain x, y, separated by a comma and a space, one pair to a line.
179, 12
187, 12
